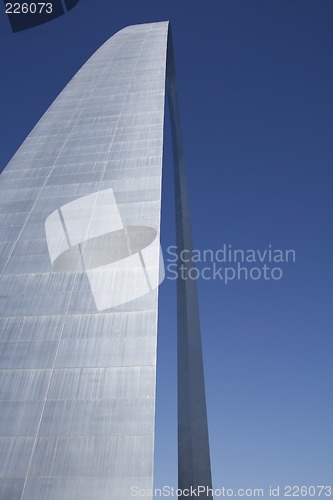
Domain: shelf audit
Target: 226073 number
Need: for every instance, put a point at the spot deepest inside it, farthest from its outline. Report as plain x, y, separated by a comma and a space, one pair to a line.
311, 491
29, 8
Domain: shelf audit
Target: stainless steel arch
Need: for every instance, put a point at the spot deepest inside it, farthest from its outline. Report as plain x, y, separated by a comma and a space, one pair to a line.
78, 327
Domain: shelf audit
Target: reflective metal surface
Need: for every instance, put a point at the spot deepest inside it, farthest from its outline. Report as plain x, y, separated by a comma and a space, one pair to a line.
78, 343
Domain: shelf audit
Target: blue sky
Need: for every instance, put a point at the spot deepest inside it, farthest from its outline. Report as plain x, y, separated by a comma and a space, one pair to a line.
254, 81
